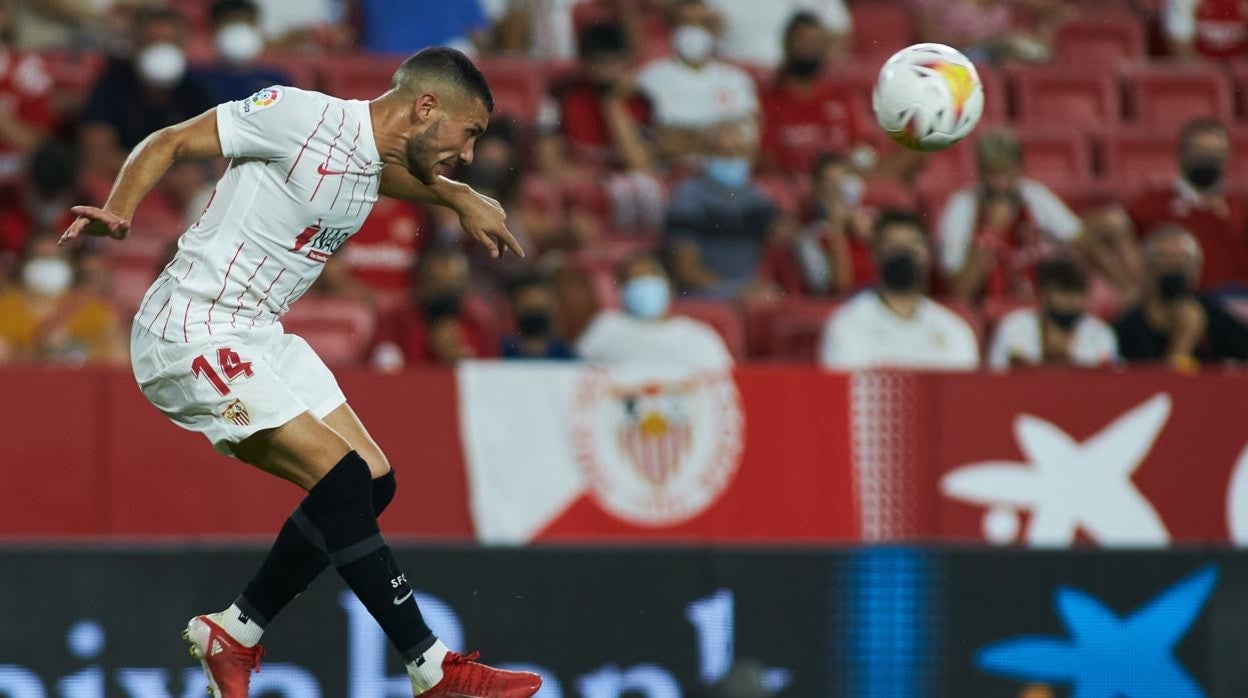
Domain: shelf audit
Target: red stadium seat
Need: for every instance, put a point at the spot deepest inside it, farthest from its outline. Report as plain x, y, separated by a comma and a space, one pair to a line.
1239, 85
720, 315
1056, 157
358, 77
880, 29
972, 315
789, 330
518, 86
886, 193
340, 330
1099, 40
1137, 157
1055, 96
1167, 96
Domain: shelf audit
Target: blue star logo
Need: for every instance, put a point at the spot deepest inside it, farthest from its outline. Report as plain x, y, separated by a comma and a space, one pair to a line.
1108, 656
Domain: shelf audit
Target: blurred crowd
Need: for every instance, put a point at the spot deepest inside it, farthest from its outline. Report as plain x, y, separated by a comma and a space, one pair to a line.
697, 181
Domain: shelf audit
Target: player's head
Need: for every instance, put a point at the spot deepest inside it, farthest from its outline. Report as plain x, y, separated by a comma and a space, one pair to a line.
1063, 288
450, 105
1204, 148
1173, 259
1000, 160
901, 252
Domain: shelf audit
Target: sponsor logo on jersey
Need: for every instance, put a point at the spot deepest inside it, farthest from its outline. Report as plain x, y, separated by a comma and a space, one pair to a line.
261, 100
657, 449
236, 413
319, 242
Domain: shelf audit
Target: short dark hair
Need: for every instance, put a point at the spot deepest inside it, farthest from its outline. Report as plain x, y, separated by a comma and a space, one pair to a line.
1062, 274
800, 20
151, 15
222, 9
826, 160
1196, 127
439, 63
603, 38
898, 216
526, 281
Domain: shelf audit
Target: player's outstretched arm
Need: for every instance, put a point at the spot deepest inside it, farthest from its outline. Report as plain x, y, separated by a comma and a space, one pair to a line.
480, 216
194, 139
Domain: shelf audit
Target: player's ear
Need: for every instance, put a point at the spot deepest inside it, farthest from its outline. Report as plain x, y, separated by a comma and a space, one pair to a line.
424, 108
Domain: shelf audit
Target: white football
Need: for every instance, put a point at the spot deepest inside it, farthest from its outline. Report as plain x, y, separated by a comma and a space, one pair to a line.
928, 97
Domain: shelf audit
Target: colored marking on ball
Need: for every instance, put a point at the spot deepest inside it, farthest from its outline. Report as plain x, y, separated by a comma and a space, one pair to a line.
961, 83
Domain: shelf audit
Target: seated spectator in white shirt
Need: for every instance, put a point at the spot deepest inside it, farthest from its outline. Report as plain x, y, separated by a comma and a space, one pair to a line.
896, 325
1060, 332
645, 332
993, 233
692, 91
754, 29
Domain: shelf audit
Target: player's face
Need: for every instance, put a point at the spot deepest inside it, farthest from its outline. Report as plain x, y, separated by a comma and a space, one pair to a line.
446, 139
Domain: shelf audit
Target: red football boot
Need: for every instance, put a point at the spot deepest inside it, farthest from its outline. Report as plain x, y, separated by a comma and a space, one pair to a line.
227, 663
463, 677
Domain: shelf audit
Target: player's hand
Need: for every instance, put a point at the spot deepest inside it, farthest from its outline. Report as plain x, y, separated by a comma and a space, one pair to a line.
95, 221
485, 220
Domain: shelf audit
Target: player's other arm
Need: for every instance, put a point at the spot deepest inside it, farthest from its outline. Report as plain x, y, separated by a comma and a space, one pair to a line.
481, 217
194, 139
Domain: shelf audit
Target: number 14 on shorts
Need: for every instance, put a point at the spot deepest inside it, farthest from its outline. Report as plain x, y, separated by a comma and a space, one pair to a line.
231, 365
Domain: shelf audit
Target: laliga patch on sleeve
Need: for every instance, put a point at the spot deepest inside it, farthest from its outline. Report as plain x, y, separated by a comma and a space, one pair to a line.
261, 100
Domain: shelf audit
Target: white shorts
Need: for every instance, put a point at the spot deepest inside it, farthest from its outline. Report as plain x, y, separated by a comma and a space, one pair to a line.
234, 386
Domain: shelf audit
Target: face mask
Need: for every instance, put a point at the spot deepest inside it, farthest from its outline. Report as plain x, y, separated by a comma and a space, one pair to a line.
899, 272
442, 305
1203, 173
852, 188
803, 67
239, 42
161, 65
693, 43
1173, 285
47, 276
1065, 319
733, 173
533, 324
646, 297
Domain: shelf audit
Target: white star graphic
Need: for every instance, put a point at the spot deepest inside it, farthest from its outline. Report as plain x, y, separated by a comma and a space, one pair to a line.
1070, 486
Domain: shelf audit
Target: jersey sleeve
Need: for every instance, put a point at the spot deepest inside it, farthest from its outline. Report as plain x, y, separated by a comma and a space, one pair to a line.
264, 124
955, 230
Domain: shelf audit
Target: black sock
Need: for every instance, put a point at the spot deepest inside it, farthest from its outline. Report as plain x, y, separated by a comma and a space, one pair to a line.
341, 508
297, 557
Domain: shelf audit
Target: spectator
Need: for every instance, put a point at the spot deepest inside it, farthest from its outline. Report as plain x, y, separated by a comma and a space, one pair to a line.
382, 254
1060, 332
1199, 202
408, 26
309, 25
992, 234
141, 94
239, 42
40, 203
41, 25
25, 100
987, 30
1174, 323
896, 325
644, 332
532, 301
547, 29
802, 114
48, 319
441, 326
693, 91
717, 223
1212, 29
753, 30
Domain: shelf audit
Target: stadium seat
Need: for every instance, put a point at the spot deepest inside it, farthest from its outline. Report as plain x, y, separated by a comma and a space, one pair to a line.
720, 315
340, 330
517, 84
1056, 156
1135, 157
1167, 96
358, 77
1047, 96
1239, 85
973, 317
886, 193
1099, 40
880, 28
790, 330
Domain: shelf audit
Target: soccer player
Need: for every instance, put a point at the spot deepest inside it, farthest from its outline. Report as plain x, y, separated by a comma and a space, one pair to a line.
209, 352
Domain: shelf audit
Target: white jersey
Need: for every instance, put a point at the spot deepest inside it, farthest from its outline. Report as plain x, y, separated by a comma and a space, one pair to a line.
304, 174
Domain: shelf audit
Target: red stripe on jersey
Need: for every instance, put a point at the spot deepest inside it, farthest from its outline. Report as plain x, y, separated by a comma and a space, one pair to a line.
165, 329
286, 300
330, 156
152, 295
260, 305
238, 304
187, 272
224, 283
342, 180
212, 197
184, 314
305, 143
158, 312
358, 177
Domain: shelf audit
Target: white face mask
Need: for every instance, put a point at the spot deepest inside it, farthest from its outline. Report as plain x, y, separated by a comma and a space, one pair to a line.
47, 276
161, 65
693, 44
239, 42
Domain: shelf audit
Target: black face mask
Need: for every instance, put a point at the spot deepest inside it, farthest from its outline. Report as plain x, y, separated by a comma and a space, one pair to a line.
442, 305
1173, 285
535, 323
1204, 172
803, 67
1065, 319
899, 271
